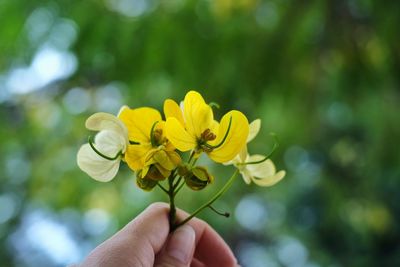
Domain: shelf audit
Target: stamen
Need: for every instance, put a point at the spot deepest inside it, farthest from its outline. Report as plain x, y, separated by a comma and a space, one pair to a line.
152, 137
207, 135
223, 139
91, 143
133, 142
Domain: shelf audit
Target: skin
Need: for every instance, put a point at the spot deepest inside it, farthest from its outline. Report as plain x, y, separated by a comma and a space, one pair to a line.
146, 242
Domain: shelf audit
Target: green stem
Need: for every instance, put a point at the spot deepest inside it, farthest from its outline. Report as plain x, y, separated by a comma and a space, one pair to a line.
172, 208
179, 187
162, 188
208, 203
177, 183
191, 156
225, 214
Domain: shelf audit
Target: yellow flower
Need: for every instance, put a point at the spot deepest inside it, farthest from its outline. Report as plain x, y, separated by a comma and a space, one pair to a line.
194, 127
260, 171
150, 154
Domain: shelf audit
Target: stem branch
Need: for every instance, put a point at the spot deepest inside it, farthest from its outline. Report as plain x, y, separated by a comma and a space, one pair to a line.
208, 203
162, 188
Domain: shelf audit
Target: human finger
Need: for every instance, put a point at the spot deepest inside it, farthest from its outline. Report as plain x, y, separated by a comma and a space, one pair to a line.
137, 243
179, 249
211, 249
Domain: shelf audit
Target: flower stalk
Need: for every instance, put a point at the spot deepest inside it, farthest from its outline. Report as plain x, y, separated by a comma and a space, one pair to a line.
208, 203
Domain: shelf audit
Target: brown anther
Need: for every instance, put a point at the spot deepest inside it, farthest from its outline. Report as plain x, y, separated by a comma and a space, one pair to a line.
207, 135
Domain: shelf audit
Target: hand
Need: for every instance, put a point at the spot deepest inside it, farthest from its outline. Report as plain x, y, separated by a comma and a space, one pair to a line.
146, 242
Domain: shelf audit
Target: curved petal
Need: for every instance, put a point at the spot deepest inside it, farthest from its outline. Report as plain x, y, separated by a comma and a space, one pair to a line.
172, 109
178, 136
246, 176
110, 143
197, 114
260, 170
235, 139
271, 180
105, 121
122, 109
254, 128
139, 122
264, 173
135, 156
95, 166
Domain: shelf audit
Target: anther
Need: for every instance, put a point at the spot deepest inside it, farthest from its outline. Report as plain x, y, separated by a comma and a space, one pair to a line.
207, 135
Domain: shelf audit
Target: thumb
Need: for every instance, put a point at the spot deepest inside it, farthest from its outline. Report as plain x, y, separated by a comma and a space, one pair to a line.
179, 249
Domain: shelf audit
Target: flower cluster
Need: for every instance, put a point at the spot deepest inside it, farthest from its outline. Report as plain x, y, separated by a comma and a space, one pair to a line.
154, 148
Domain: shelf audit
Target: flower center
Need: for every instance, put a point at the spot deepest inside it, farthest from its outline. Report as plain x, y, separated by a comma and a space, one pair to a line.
206, 136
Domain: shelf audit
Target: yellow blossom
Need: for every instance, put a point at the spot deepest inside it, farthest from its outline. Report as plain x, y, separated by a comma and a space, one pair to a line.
194, 128
150, 154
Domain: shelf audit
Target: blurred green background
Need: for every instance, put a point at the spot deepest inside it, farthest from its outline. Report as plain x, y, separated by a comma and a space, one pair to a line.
323, 75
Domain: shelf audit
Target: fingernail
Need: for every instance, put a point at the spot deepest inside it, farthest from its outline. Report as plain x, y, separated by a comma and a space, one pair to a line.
181, 243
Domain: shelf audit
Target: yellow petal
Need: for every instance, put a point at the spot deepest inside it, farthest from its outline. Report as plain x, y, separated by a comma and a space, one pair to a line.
161, 157
178, 136
235, 139
174, 157
122, 109
214, 127
197, 114
135, 156
144, 171
172, 109
139, 122
164, 172
254, 128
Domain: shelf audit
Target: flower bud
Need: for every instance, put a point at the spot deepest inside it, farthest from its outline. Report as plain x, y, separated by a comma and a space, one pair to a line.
198, 178
144, 182
183, 170
153, 172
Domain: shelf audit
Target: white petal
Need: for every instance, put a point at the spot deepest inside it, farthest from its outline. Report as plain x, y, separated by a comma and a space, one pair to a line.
105, 121
110, 143
254, 128
246, 176
271, 180
95, 166
263, 169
